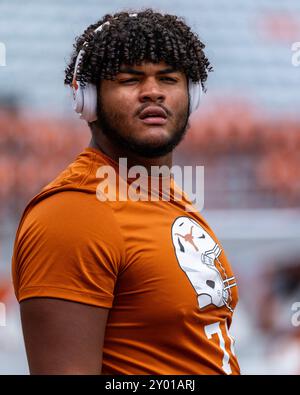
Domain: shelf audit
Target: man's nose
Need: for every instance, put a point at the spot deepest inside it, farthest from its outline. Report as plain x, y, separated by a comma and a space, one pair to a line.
151, 91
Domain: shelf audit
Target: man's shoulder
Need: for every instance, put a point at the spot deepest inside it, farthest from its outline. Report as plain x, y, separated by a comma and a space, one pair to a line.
73, 189
70, 202
78, 174
69, 219
70, 209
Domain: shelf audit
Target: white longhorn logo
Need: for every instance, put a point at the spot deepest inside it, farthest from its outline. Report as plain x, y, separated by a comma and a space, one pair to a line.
197, 254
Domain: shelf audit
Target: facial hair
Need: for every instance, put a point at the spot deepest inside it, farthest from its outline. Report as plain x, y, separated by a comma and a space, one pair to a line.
112, 126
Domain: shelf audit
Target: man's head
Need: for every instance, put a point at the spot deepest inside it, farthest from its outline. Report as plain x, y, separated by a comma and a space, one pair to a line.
141, 67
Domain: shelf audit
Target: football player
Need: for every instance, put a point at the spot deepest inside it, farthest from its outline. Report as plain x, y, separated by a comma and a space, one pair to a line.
126, 286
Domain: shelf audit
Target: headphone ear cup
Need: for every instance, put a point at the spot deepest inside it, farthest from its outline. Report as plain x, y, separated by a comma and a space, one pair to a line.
89, 108
195, 92
77, 98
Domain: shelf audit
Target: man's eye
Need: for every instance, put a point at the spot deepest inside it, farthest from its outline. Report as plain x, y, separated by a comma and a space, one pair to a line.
129, 81
169, 79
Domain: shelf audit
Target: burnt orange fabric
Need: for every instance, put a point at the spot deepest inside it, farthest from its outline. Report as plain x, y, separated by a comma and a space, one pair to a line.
159, 269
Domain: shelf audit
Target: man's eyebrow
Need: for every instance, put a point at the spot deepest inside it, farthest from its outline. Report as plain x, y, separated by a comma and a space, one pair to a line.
167, 71
129, 70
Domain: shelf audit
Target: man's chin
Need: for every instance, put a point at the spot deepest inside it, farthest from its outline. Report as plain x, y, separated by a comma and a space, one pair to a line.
153, 139
153, 149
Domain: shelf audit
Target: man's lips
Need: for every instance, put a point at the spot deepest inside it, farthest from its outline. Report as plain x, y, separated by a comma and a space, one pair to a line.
153, 115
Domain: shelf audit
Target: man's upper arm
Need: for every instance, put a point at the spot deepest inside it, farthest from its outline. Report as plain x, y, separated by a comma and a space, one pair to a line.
63, 337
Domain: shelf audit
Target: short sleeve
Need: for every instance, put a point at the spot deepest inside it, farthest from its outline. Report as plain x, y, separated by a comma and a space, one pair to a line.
68, 246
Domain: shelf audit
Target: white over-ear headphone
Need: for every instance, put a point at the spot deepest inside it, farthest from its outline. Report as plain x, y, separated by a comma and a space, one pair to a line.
85, 98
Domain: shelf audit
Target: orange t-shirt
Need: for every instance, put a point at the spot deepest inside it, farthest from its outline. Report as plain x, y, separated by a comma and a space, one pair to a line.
159, 269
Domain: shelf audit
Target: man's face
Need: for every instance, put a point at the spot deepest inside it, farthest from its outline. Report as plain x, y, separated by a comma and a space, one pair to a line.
145, 109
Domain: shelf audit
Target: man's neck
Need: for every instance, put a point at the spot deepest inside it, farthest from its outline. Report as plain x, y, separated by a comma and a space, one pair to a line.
103, 144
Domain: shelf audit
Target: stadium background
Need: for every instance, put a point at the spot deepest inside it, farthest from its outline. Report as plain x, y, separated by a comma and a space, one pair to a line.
246, 134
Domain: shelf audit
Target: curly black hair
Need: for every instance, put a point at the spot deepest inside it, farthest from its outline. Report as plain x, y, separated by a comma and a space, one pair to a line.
150, 36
